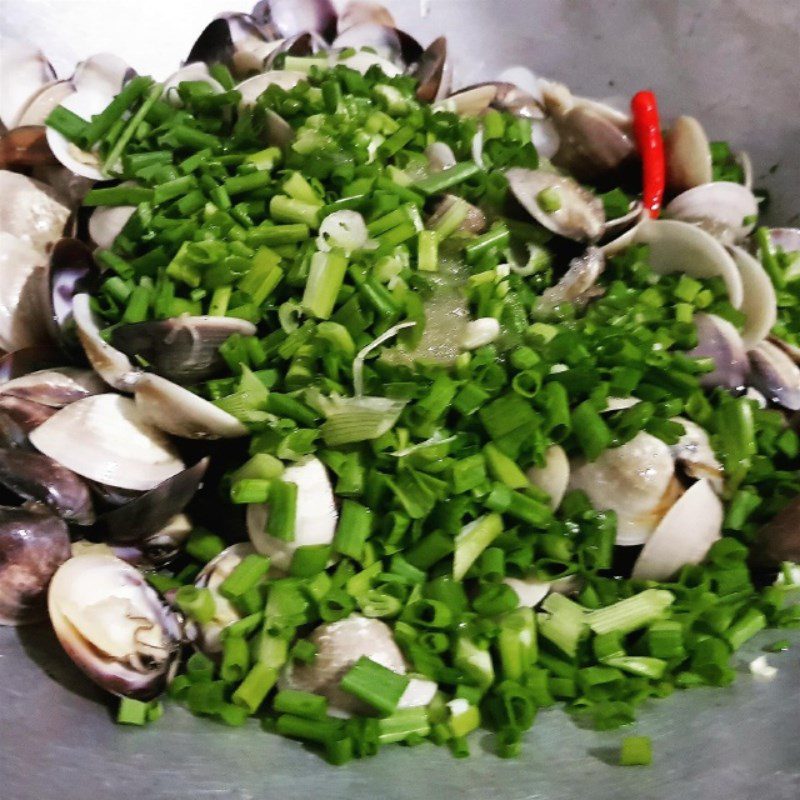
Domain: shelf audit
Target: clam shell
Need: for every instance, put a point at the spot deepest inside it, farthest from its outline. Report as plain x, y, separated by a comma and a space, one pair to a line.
195, 72
359, 12
85, 104
113, 625
33, 544
55, 387
107, 222
105, 438
681, 247
102, 73
688, 155
23, 71
696, 457
719, 340
759, 304
31, 211
390, 43
529, 591
40, 105
433, 71
289, 17
580, 217
316, 514
775, 375
787, 239
727, 210
254, 87
182, 413
553, 476
577, 282
684, 536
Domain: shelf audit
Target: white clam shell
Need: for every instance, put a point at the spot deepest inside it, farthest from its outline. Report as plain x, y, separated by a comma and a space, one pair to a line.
316, 519
54, 387
688, 155
254, 87
113, 625
23, 71
31, 211
109, 363
102, 73
759, 304
684, 536
23, 292
39, 106
553, 476
470, 102
339, 645
529, 591
788, 239
479, 332
104, 438
636, 480
775, 374
180, 412
198, 72
85, 104
726, 209
682, 247
106, 223
363, 60
694, 450
580, 216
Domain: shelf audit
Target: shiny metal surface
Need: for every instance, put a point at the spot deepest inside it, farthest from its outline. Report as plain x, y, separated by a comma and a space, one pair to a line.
732, 63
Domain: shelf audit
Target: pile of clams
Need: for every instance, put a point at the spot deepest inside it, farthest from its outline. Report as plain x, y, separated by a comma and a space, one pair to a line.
92, 446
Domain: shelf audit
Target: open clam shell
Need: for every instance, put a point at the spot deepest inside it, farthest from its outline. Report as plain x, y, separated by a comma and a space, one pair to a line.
578, 283
105, 438
776, 375
56, 387
433, 70
316, 514
152, 510
694, 455
388, 42
178, 411
25, 414
87, 164
530, 591
24, 70
727, 210
283, 18
35, 477
40, 104
182, 349
358, 12
114, 625
759, 303
718, 340
688, 155
107, 222
254, 87
579, 216
233, 39
33, 545
684, 535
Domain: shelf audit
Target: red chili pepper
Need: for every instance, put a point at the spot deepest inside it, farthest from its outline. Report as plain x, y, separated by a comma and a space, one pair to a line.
647, 130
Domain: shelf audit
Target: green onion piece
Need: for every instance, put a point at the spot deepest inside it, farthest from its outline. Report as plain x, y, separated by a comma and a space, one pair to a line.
130, 128
504, 469
549, 200
324, 731
276, 235
463, 717
636, 751
632, 613
516, 642
250, 490
472, 540
375, 685
245, 575
592, 433
427, 251
301, 704
72, 127
199, 668
138, 712
324, 282
235, 659
118, 196
287, 209
255, 687
495, 239
653, 668
439, 181
309, 560
353, 530
475, 662
282, 510
402, 724
197, 602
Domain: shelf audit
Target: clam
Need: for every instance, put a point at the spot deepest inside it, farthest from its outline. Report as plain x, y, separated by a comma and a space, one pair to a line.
688, 155
25, 414
143, 516
636, 480
694, 455
359, 12
719, 340
440, 156
315, 523
107, 222
594, 140
110, 364
553, 476
11, 432
178, 411
339, 645
40, 104
775, 374
33, 544
114, 625
283, 18
389, 43
759, 303
433, 70
235, 40
103, 74
684, 536
23, 71
207, 636
35, 477
779, 539
23, 294
166, 544
31, 211
727, 210
578, 283
575, 212
106, 439
682, 247
183, 349
471, 101
786, 239
55, 387
364, 60
254, 87
194, 72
